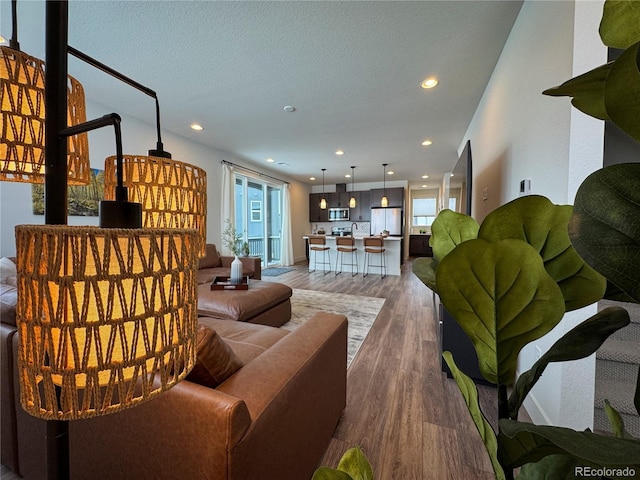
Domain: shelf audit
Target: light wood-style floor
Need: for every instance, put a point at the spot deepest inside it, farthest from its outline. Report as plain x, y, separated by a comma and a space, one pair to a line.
409, 419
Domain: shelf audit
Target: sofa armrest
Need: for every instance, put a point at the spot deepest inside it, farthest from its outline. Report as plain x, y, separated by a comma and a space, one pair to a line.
186, 432
252, 263
295, 393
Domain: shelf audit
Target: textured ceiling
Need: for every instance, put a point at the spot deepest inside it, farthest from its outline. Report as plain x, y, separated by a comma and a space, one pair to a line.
351, 69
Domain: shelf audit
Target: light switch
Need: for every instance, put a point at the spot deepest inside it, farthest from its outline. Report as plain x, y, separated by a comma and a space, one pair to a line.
525, 187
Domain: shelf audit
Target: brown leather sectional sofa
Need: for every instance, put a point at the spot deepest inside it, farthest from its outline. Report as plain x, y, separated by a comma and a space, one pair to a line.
271, 419
214, 264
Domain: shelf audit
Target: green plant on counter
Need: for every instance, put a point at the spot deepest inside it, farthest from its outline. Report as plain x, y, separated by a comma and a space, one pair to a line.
352, 466
510, 280
245, 249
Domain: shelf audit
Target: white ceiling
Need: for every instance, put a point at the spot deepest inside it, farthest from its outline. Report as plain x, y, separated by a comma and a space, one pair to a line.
351, 69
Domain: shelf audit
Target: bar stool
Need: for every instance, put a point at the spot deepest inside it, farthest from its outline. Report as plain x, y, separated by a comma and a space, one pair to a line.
374, 246
346, 245
318, 243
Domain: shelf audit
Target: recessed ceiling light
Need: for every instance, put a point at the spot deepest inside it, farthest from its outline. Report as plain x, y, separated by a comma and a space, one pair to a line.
452, 174
270, 160
429, 83
390, 172
426, 143
339, 152
348, 175
425, 176
424, 186
289, 108
312, 178
197, 127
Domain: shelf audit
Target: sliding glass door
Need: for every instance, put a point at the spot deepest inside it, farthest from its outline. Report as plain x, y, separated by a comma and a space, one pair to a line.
258, 206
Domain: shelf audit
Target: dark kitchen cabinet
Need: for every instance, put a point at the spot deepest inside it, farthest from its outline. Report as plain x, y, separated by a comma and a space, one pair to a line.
419, 246
394, 195
362, 210
338, 199
316, 214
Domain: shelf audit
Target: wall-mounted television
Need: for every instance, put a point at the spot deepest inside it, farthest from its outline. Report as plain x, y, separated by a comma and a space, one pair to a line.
460, 182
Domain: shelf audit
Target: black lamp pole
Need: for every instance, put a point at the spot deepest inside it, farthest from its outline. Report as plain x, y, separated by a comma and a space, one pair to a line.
55, 184
55, 101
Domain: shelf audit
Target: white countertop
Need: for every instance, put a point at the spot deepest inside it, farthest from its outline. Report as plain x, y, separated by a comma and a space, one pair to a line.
356, 237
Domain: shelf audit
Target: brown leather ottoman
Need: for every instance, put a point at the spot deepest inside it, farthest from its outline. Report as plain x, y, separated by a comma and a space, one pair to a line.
266, 303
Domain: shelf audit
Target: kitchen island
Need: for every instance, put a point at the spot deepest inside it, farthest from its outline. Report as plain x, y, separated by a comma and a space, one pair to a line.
392, 247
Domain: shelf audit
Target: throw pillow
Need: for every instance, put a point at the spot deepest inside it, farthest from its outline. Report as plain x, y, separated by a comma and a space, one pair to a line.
215, 361
7, 269
212, 258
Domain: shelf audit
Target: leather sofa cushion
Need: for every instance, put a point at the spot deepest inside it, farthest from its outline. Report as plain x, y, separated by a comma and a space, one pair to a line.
241, 305
8, 300
7, 269
247, 340
215, 361
211, 259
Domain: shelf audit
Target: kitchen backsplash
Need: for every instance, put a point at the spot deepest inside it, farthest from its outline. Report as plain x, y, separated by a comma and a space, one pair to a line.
363, 227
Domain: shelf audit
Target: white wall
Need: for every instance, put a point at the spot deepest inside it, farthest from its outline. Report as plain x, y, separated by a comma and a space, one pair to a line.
518, 133
138, 138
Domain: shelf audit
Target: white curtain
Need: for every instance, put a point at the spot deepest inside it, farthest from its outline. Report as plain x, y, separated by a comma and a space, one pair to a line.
286, 256
227, 205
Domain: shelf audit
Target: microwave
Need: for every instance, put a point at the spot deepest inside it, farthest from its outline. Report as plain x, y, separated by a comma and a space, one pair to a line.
338, 214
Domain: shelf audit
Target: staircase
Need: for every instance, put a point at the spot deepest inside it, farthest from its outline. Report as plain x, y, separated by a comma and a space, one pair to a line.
617, 363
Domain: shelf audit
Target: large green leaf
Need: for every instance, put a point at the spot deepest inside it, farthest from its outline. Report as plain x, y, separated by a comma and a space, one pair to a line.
521, 443
544, 226
580, 342
587, 91
622, 92
619, 27
470, 395
356, 464
551, 467
326, 473
605, 227
502, 297
450, 229
616, 421
425, 269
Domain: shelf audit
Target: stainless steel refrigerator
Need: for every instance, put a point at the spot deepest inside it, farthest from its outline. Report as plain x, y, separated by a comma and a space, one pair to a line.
386, 219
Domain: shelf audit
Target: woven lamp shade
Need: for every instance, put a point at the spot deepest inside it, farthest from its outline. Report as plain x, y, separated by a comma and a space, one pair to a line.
106, 319
22, 121
173, 194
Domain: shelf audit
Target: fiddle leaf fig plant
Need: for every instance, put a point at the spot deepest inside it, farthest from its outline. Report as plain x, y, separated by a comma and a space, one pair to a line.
352, 466
543, 225
531, 261
503, 299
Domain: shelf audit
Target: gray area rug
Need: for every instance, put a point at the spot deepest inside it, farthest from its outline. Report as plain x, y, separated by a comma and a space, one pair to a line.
275, 271
361, 312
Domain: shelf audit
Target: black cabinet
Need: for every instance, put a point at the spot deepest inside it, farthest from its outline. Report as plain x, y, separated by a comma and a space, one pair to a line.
339, 200
419, 246
394, 195
317, 214
362, 211
453, 339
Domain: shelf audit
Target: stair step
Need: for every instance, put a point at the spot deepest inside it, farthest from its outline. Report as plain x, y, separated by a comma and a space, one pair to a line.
612, 370
619, 394
631, 422
619, 351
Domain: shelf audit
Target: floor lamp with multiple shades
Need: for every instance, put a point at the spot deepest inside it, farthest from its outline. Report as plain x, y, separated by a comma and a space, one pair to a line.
106, 316
173, 194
